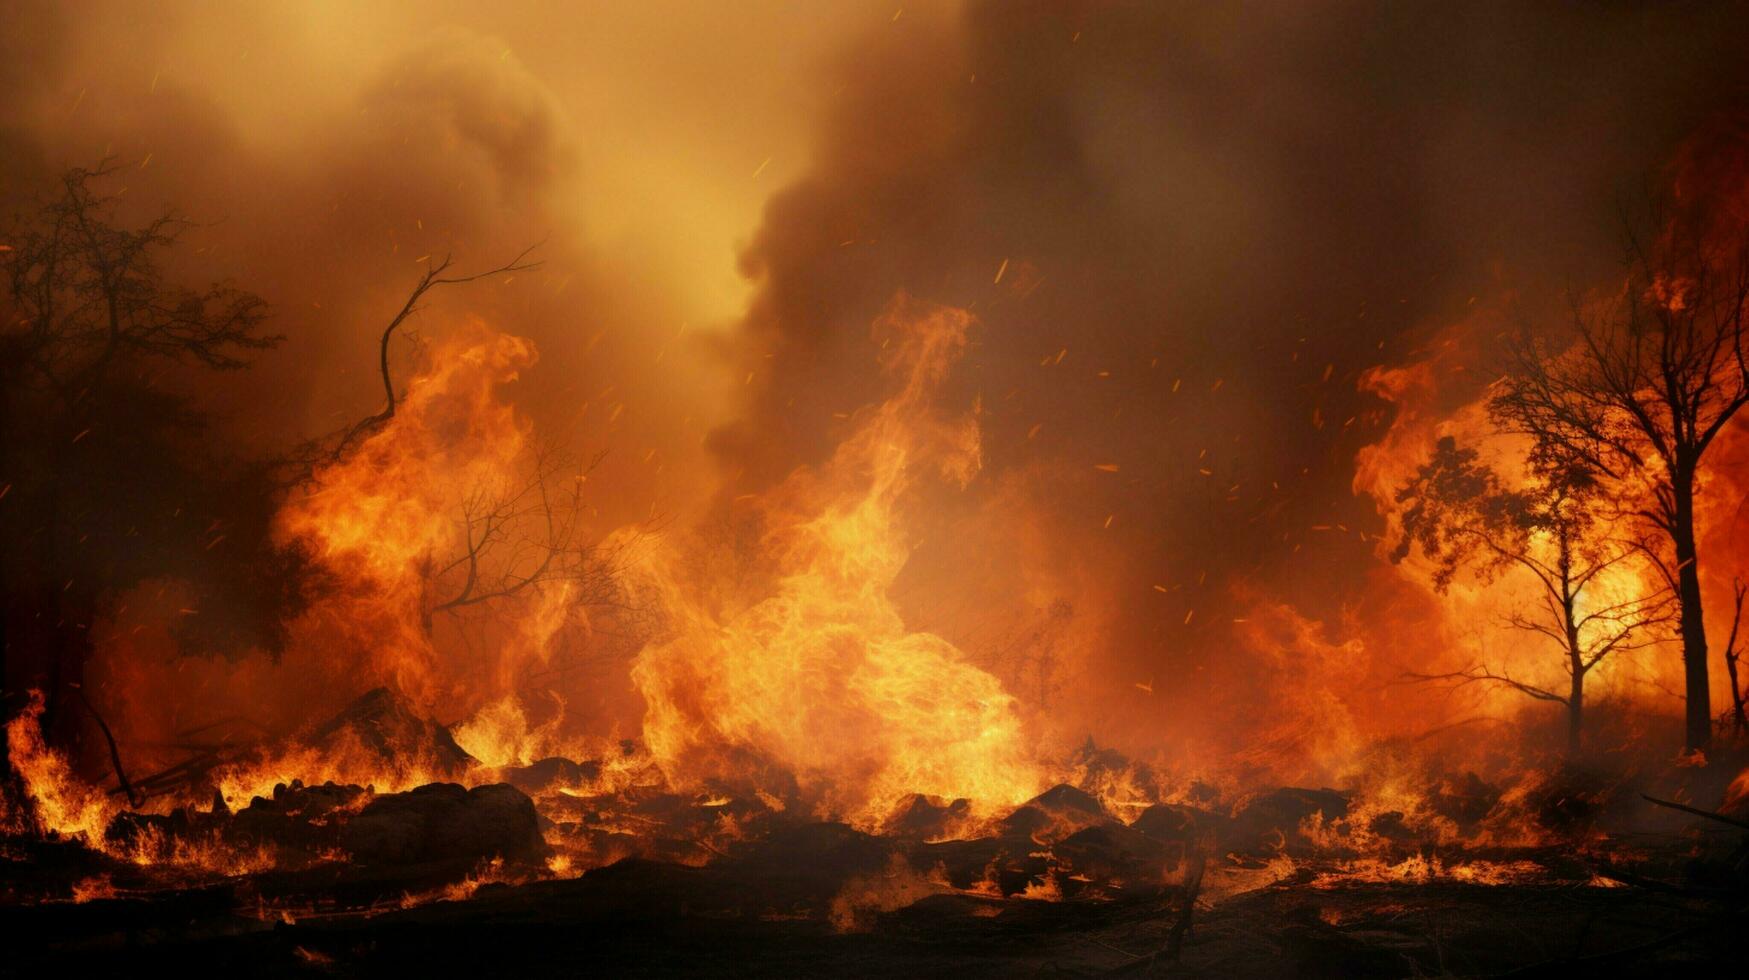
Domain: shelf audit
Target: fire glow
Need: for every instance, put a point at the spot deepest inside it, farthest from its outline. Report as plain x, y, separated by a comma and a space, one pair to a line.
1091, 576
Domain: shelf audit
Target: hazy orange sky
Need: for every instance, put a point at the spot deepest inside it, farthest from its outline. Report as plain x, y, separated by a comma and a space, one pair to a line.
325, 147
686, 113
1187, 234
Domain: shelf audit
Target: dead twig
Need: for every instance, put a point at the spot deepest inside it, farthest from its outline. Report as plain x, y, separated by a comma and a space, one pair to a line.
434, 277
184, 771
121, 774
1710, 815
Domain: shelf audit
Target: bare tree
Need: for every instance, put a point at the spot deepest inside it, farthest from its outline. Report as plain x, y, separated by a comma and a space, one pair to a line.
1460, 515
436, 275
88, 294
520, 538
1739, 718
1639, 390
104, 463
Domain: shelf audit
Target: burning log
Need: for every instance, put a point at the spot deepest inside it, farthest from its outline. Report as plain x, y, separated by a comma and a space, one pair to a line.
298, 818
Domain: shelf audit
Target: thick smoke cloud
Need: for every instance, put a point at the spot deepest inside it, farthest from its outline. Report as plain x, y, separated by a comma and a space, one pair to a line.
325, 195
320, 174
1186, 232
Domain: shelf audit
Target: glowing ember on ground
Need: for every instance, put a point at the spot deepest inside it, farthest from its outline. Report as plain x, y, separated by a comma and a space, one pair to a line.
1100, 488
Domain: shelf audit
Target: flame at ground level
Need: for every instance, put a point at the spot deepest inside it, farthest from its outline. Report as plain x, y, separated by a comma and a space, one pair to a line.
780, 683
821, 679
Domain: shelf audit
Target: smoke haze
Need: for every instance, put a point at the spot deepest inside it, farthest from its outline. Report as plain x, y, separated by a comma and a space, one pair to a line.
1186, 236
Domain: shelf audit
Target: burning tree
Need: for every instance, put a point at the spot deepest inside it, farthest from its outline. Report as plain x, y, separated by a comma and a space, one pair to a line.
520, 536
1733, 655
449, 525
1638, 391
521, 530
1461, 514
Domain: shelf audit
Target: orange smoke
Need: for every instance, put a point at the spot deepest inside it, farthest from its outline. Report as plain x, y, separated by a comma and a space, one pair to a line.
821, 677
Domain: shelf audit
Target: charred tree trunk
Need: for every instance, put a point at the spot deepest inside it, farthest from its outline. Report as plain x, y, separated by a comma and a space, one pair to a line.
46, 650
1739, 719
1575, 647
1697, 689
1576, 711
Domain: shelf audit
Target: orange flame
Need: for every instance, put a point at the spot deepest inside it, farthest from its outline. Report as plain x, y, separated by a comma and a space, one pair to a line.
821, 676
63, 803
382, 515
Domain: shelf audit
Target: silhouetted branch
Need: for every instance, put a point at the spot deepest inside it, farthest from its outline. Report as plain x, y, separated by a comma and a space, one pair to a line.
1476, 675
433, 278
525, 536
121, 774
89, 294
1733, 655
1708, 814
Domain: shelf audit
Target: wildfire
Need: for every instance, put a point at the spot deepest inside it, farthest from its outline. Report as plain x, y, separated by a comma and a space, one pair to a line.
63, 803
1420, 869
500, 734
419, 513
779, 683
821, 676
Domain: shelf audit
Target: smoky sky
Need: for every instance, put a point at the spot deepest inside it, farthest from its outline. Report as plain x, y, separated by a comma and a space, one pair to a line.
325, 152
1185, 230
1205, 223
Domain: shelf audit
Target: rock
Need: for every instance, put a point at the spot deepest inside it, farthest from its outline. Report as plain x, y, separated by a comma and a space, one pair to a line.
444, 821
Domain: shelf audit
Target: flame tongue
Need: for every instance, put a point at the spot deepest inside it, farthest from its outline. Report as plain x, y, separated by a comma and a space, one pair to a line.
380, 518
821, 678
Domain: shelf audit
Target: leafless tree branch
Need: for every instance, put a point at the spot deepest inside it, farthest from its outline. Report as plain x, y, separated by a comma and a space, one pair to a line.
434, 277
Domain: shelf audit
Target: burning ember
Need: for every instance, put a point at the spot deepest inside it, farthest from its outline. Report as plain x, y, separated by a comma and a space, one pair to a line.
1032, 562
